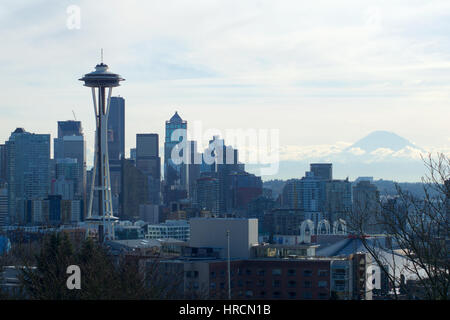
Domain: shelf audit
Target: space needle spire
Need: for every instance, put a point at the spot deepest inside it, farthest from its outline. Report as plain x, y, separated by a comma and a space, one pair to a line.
100, 81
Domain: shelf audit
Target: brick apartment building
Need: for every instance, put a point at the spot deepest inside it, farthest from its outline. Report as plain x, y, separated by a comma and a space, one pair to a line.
264, 278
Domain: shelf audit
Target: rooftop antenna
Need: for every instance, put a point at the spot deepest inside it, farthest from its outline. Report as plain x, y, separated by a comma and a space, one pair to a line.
75, 117
101, 55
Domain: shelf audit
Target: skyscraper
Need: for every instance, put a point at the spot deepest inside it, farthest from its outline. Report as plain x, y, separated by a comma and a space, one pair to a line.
207, 196
3, 165
67, 177
116, 147
244, 187
149, 163
69, 128
338, 199
116, 129
366, 205
224, 162
70, 144
192, 168
73, 147
172, 171
134, 191
28, 171
322, 171
3, 206
306, 194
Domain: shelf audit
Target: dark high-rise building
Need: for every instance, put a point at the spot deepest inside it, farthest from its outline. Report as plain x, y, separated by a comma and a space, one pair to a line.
66, 178
207, 194
28, 171
116, 129
172, 171
149, 163
225, 157
134, 191
70, 144
73, 147
338, 199
3, 206
3, 164
283, 221
244, 187
258, 208
305, 193
192, 168
322, 171
69, 128
116, 147
222, 160
70, 136
366, 205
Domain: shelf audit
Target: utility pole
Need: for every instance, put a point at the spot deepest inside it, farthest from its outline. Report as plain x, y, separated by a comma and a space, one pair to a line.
228, 263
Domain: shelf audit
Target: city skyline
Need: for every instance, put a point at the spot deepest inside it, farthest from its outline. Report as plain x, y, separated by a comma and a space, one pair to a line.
258, 151
362, 155
321, 76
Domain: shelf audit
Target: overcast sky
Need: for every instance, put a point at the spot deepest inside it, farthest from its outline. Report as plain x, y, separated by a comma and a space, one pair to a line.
322, 72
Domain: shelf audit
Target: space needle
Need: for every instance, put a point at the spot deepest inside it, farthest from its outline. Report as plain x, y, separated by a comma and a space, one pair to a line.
100, 80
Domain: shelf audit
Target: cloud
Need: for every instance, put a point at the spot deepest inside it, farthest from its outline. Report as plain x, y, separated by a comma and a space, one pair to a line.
381, 153
338, 153
409, 153
356, 151
292, 152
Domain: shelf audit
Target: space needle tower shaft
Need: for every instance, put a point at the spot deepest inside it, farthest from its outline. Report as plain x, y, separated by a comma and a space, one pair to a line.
99, 81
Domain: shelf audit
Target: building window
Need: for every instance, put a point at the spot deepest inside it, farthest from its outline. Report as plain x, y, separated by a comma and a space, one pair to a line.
262, 294
261, 272
292, 295
240, 283
213, 274
292, 284
307, 295
222, 285
277, 294
291, 272
307, 284
249, 293
212, 285
322, 284
276, 272
339, 273
261, 283
323, 273
307, 273
248, 283
248, 272
222, 273
276, 283
339, 285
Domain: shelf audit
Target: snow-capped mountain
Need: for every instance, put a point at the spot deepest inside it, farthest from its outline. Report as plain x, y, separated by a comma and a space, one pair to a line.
381, 154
